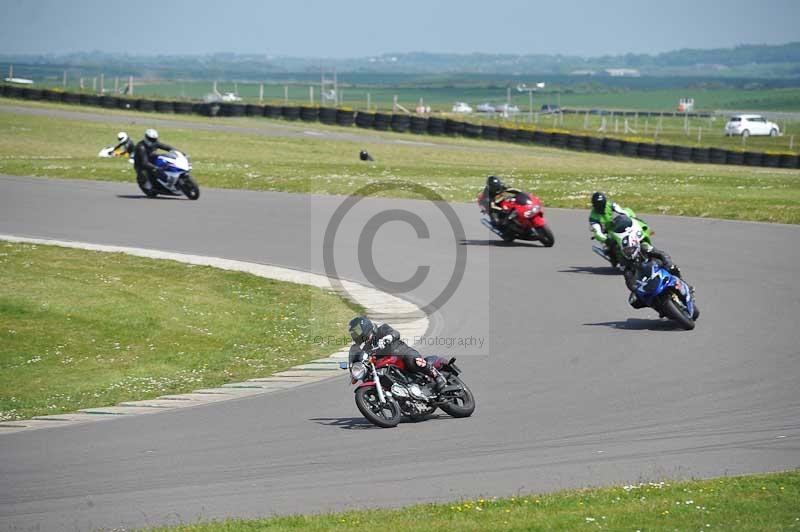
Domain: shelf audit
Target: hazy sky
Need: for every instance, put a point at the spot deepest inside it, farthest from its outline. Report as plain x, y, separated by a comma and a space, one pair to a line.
357, 28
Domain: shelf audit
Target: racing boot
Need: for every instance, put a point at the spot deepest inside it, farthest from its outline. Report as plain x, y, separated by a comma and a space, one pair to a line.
439, 382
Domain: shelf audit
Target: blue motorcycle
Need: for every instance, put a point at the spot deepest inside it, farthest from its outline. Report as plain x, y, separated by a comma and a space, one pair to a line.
668, 294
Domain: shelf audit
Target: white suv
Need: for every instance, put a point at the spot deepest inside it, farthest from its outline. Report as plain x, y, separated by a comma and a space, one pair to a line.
746, 125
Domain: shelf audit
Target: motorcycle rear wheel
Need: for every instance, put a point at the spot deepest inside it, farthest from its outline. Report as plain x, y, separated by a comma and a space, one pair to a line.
546, 236
463, 405
189, 187
671, 311
385, 415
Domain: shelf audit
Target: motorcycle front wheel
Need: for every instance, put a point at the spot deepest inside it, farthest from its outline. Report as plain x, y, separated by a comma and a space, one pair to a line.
461, 404
676, 313
189, 187
385, 415
546, 236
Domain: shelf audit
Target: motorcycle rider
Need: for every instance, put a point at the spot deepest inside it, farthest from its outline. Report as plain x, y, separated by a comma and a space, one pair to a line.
493, 193
636, 253
124, 141
383, 340
602, 216
146, 171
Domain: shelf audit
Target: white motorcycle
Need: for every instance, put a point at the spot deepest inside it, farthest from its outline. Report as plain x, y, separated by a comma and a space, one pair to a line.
174, 178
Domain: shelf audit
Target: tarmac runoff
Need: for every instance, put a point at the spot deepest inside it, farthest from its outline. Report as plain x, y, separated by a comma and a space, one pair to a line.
380, 305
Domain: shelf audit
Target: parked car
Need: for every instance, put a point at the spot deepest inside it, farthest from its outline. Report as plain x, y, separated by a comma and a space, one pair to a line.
550, 108
231, 97
461, 107
485, 108
746, 125
507, 109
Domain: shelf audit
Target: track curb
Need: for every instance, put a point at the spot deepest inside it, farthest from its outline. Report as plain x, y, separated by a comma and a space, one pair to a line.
380, 305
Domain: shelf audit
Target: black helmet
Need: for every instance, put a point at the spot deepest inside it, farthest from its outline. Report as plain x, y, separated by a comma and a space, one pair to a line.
361, 329
494, 185
365, 156
599, 201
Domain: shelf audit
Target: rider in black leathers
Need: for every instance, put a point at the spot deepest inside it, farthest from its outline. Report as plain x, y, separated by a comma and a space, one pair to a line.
143, 153
636, 253
494, 192
384, 340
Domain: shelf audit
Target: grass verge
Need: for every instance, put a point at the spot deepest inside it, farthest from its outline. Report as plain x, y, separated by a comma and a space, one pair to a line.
759, 502
81, 329
456, 169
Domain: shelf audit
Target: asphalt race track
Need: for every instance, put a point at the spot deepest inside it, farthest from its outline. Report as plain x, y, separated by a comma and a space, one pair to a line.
574, 388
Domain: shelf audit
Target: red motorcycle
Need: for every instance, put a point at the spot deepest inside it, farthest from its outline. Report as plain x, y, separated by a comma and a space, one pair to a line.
386, 391
524, 218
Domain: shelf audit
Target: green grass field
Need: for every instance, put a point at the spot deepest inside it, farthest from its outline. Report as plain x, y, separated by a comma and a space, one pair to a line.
82, 329
759, 502
454, 168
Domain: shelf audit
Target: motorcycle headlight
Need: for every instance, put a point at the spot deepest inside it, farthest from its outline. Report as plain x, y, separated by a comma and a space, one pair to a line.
358, 371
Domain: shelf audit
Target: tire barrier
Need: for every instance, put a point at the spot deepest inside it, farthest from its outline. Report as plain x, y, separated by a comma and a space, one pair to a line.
309, 114
327, 115
290, 112
364, 119
613, 146
543, 138
790, 161
664, 152
163, 106
752, 158
594, 144
735, 157
382, 122
629, 149
184, 108
772, 160
577, 142
142, 105
345, 117
453, 127
490, 133
418, 125
400, 123
436, 126
717, 156
506, 134
253, 109
525, 136
646, 150
51, 96
273, 111
700, 155
559, 140
472, 131
681, 153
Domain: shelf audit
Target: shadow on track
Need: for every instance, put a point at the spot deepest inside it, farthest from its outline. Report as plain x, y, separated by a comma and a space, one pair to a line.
142, 196
596, 270
635, 324
499, 243
347, 423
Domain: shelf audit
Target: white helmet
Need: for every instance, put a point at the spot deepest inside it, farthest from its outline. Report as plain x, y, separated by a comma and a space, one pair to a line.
122, 136
151, 135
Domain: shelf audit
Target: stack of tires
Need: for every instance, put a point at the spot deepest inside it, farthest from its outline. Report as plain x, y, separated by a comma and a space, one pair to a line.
630, 149
418, 125
717, 156
328, 115
32, 93
559, 140
790, 161
273, 111
681, 153
506, 134
700, 155
142, 105
577, 142
612, 146
163, 106
436, 126
472, 131
184, 108
524, 136
400, 123
753, 158
232, 109
365, 120
594, 144
253, 109
51, 96
735, 158
542, 138
290, 112
664, 152
345, 117
453, 127
646, 150
490, 133
309, 114
382, 122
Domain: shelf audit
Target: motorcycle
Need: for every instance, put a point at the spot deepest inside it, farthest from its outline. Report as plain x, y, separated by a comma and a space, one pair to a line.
621, 226
525, 219
173, 179
385, 391
666, 293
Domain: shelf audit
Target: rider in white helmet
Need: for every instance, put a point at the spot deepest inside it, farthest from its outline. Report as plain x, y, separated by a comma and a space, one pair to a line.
143, 155
124, 141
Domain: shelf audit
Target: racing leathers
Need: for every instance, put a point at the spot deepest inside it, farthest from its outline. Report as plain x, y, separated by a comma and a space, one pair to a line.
491, 205
600, 222
386, 341
646, 253
142, 163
